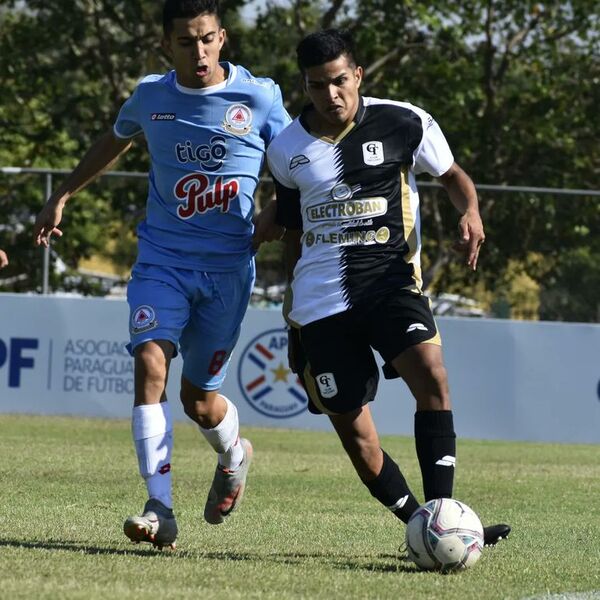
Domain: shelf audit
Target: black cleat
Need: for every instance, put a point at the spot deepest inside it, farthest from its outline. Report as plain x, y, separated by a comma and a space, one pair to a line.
494, 533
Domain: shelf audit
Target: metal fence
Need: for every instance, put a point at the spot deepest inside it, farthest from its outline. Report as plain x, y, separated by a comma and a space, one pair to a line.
47, 180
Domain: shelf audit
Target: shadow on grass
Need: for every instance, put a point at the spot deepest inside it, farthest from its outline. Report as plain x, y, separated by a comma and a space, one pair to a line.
384, 563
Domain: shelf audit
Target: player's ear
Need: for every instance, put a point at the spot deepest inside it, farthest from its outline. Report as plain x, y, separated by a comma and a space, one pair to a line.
358, 73
165, 44
222, 37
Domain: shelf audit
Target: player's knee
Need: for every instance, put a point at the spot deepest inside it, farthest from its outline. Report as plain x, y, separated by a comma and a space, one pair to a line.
201, 407
151, 362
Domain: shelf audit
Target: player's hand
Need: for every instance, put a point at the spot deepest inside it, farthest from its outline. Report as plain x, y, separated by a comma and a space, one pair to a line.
471, 237
3, 259
46, 224
265, 227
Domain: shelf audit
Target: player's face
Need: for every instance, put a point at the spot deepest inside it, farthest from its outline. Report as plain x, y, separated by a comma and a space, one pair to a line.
194, 46
333, 89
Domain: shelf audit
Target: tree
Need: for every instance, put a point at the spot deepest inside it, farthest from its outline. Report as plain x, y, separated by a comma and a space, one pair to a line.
514, 86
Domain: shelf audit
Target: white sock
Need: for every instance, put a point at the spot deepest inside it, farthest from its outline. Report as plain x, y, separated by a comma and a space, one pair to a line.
152, 430
224, 438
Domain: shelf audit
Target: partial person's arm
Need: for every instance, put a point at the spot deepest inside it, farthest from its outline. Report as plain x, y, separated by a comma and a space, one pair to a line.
463, 195
3, 259
96, 160
266, 229
292, 250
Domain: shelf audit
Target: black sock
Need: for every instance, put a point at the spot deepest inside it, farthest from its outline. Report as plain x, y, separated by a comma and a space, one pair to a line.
391, 489
436, 450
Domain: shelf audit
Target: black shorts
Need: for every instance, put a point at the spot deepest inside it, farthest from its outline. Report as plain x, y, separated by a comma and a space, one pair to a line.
334, 356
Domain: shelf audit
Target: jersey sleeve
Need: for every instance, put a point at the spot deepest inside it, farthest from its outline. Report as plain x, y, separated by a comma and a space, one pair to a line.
128, 124
288, 212
433, 155
286, 190
277, 119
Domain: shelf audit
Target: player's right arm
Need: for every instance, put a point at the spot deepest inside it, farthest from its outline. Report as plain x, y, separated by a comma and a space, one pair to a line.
3, 259
103, 153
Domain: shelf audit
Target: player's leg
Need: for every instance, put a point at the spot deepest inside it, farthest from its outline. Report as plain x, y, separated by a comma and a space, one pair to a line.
408, 340
376, 469
155, 327
422, 368
206, 344
217, 419
402, 329
341, 378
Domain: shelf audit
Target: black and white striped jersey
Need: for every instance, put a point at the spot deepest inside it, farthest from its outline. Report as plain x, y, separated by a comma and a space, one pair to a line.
356, 200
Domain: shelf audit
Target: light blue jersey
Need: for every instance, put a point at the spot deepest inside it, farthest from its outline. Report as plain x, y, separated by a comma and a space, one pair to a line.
207, 148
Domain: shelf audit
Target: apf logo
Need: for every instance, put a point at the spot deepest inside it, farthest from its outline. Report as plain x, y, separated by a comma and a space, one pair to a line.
265, 379
12, 353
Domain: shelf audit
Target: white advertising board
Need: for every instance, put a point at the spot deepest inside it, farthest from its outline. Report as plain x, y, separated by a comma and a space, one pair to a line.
509, 380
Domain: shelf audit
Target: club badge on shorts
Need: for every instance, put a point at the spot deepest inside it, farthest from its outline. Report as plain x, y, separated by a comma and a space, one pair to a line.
327, 385
143, 319
238, 119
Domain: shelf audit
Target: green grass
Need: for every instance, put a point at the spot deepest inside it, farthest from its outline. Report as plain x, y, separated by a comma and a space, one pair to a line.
307, 528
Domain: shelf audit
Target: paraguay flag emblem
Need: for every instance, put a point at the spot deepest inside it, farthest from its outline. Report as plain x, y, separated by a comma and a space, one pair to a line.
265, 379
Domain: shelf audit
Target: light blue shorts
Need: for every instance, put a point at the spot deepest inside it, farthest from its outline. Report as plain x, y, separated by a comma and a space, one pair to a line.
199, 312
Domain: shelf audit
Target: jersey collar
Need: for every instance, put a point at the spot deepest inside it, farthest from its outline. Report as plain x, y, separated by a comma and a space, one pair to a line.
231, 75
358, 117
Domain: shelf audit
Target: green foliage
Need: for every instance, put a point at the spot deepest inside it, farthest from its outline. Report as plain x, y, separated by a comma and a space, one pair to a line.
515, 86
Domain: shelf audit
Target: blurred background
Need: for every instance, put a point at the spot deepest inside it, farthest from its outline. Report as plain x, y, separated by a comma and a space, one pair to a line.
514, 85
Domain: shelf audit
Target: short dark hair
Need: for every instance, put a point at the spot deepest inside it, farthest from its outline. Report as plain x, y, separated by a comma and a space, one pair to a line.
187, 9
324, 46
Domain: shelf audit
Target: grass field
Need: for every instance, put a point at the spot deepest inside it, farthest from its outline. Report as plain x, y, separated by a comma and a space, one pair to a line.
307, 528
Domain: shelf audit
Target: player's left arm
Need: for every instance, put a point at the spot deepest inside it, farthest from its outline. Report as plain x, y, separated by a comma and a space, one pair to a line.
3, 259
463, 195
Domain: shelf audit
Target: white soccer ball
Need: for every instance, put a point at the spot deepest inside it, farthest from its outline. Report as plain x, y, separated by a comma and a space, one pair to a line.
444, 535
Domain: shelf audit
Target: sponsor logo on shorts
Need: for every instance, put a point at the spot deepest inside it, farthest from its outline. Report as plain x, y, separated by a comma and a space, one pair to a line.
143, 319
162, 116
238, 119
327, 385
373, 153
416, 326
265, 379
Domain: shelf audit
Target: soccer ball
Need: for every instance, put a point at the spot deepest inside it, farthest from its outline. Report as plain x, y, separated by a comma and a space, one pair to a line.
444, 535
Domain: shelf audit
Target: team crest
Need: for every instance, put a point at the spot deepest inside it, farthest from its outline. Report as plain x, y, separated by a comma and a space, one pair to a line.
266, 381
372, 153
143, 319
238, 119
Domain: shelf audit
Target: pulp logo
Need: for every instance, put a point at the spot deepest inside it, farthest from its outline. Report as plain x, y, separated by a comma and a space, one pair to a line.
199, 195
266, 381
